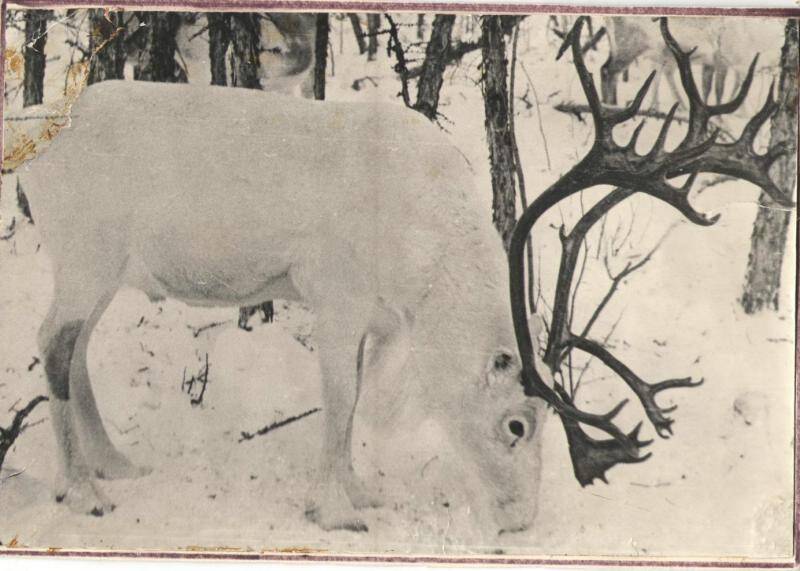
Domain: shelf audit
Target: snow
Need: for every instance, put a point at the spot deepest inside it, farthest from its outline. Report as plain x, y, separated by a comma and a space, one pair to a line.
722, 486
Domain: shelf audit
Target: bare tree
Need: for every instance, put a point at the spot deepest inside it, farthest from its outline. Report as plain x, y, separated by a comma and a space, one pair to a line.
768, 242
498, 132
373, 28
321, 55
219, 39
430, 79
35, 40
358, 31
158, 48
106, 45
623, 168
245, 34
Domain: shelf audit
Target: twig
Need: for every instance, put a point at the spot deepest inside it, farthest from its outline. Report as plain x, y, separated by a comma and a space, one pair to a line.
9, 435
617, 279
278, 424
538, 116
196, 331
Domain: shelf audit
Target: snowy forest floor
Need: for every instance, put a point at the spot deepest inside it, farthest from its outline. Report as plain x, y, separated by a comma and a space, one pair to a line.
721, 487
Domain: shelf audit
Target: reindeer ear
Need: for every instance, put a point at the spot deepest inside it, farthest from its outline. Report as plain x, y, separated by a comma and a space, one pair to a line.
503, 367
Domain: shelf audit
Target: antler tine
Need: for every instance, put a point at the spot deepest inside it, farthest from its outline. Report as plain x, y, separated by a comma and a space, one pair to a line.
592, 458
645, 392
736, 102
631, 146
678, 198
587, 81
629, 112
658, 147
767, 110
683, 61
566, 42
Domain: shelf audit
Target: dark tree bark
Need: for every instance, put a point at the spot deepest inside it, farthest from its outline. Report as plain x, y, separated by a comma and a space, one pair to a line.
421, 26
373, 26
107, 44
219, 39
430, 80
768, 242
158, 48
358, 31
498, 132
321, 55
246, 42
35, 40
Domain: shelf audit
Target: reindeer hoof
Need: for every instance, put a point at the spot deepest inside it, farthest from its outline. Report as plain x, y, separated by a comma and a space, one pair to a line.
333, 510
83, 496
348, 521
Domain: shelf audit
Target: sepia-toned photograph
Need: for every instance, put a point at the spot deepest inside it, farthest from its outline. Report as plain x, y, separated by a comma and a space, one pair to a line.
445, 286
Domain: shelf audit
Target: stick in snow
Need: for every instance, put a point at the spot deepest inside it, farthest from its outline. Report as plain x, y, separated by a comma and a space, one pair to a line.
274, 425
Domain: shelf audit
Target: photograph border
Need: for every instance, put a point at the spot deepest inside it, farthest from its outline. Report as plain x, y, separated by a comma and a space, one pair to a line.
307, 555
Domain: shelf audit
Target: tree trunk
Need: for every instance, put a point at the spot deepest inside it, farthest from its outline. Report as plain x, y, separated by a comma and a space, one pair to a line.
373, 26
35, 40
219, 38
245, 39
430, 80
107, 43
768, 242
158, 48
321, 55
421, 26
498, 132
246, 42
358, 31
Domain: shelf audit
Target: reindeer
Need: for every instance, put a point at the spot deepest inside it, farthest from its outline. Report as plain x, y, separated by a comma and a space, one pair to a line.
286, 58
719, 48
407, 262
406, 274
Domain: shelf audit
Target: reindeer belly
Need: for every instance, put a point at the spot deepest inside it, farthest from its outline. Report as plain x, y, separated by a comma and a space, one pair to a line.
208, 261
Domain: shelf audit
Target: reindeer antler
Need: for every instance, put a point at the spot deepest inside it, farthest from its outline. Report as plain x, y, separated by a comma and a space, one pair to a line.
608, 163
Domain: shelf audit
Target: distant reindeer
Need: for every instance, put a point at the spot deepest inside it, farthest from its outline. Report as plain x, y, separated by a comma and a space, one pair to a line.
405, 273
286, 58
721, 49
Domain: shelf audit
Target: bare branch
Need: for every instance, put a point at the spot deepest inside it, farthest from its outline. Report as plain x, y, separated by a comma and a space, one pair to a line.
9, 435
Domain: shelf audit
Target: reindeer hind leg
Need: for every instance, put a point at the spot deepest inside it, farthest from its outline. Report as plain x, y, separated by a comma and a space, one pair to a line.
58, 336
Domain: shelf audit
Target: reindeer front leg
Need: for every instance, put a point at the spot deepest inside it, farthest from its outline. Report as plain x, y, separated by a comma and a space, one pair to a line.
339, 491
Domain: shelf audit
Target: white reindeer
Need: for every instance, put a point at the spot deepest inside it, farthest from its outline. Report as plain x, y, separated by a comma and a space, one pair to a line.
724, 49
364, 211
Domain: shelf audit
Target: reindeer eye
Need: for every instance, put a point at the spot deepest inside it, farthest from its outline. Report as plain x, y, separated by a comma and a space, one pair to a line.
516, 428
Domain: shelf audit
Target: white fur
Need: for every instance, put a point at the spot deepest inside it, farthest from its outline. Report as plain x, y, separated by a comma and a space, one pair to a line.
365, 211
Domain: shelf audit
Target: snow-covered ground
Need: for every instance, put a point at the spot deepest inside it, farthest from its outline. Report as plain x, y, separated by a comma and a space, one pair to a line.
721, 487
